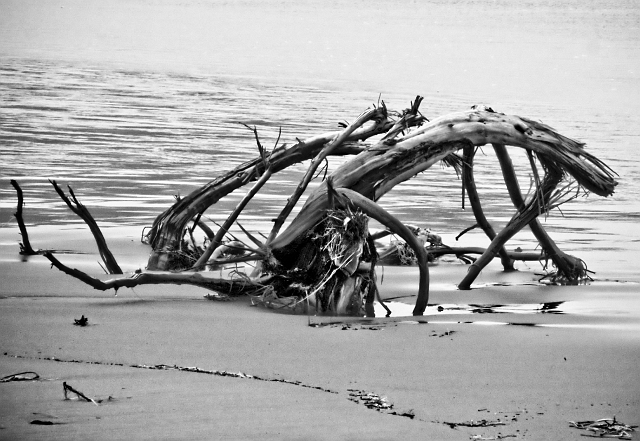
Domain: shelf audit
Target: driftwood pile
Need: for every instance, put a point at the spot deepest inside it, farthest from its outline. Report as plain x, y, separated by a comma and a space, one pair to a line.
325, 260
605, 428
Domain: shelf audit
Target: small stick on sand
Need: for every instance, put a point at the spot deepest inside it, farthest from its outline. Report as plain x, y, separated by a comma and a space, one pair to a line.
22, 376
66, 388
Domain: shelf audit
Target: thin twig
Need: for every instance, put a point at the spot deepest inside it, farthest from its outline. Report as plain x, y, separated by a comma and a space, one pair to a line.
251, 237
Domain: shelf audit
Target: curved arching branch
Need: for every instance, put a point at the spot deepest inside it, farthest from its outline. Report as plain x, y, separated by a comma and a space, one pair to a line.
362, 181
166, 233
315, 163
375, 211
381, 167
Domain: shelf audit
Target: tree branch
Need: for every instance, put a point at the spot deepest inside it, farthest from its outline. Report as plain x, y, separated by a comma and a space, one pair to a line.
469, 184
377, 113
25, 246
374, 210
80, 210
229, 287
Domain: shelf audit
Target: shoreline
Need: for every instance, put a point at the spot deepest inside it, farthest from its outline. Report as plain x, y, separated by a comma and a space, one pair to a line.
136, 104
447, 367
534, 379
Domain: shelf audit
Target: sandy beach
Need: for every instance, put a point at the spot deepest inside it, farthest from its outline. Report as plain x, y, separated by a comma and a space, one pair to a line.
270, 375
134, 103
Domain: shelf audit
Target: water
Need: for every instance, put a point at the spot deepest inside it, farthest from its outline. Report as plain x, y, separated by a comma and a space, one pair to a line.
134, 102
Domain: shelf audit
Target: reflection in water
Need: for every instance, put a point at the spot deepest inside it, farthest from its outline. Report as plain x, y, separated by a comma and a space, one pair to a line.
552, 307
368, 324
542, 308
399, 309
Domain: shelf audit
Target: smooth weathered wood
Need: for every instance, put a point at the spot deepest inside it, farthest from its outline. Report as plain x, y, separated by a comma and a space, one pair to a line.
378, 113
381, 167
166, 233
469, 184
361, 182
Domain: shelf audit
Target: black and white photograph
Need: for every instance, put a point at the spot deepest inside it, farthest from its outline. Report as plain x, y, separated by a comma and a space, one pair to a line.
319, 220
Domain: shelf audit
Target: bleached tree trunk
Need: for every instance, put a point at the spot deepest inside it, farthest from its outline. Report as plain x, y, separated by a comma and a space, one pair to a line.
350, 195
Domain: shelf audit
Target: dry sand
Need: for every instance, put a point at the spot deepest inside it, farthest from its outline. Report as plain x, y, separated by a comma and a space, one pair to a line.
440, 368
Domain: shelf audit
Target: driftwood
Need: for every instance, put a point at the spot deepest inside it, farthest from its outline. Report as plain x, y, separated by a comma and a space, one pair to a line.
74, 205
166, 234
66, 389
22, 376
568, 267
325, 260
381, 167
230, 287
479, 423
605, 428
468, 184
25, 245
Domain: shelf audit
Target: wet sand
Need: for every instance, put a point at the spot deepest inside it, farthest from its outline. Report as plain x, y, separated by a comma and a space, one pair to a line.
167, 83
270, 375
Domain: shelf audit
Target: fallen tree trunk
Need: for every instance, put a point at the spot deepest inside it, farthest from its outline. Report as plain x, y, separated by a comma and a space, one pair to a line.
325, 259
381, 167
165, 236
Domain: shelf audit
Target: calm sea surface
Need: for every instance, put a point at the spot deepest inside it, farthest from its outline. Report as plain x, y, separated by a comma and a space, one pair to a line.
134, 102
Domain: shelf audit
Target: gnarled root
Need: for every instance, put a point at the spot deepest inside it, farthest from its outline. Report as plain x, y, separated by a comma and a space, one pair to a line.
320, 268
573, 271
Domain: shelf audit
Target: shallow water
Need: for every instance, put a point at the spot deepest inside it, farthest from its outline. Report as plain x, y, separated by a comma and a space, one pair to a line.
132, 103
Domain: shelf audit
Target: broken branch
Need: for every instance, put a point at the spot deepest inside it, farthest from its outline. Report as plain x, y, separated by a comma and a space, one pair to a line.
80, 210
25, 246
